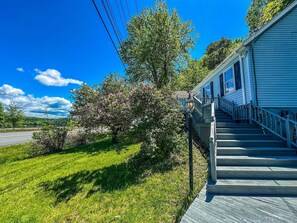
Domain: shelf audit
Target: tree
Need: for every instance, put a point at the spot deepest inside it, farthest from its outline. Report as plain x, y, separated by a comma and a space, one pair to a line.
262, 11
2, 116
105, 104
157, 46
217, 51
14, 114
157, 120
191, 76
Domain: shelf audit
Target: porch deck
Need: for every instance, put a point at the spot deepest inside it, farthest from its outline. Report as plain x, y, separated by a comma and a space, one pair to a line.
209, 208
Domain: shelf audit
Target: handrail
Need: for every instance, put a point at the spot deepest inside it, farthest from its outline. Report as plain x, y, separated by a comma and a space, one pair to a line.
282, 127
226, 106
213, 144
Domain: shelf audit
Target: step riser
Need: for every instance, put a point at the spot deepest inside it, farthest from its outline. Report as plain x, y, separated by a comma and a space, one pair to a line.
239, 131
247, 137
250, 144
278, 175
240, 152
255, 162
263, 190
234, 125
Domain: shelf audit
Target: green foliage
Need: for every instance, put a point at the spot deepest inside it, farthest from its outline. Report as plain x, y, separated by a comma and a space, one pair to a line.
106, 104
197, 70
14, 114
2, 116
158, 121
193, 74
262, 11
157, 46
50, 139
217, 51
95, 183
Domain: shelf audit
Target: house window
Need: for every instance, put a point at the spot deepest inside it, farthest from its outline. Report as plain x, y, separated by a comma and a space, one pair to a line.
207, 91
229, 81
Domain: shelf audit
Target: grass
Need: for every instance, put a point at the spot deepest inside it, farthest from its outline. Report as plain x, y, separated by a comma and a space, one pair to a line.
18, 130
15, 152
96, 183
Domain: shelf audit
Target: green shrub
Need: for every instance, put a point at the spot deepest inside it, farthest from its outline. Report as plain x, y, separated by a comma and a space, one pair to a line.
158, 121
50, 139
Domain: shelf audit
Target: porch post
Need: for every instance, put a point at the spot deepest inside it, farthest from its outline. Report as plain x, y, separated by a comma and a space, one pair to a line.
288, 133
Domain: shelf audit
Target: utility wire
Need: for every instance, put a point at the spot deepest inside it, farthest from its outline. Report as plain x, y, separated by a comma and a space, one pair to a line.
120, 14
123, 11
110, 21
128, 9
136, 5
115, 22
110, 37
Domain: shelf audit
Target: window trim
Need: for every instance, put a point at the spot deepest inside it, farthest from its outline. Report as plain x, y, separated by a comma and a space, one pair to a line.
233, 78
207, 85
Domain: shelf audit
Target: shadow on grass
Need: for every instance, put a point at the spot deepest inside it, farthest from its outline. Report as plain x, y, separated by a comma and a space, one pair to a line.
104, 145
107, 179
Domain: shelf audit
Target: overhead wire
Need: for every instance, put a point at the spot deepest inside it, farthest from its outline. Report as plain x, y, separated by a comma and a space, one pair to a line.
110, 21
106, 29
127, 5
114, 19
120, 15
123, 11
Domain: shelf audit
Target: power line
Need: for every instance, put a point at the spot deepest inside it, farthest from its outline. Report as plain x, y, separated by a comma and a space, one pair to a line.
115, 22
102, 20
119, 11
110, 21
123, 11
136, 5
128, 9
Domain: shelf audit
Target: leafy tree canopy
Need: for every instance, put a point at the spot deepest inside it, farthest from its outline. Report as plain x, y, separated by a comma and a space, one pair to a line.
262, 11
157, 46
14, 114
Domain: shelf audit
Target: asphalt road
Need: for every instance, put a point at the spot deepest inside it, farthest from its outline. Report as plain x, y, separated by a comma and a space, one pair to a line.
12, 138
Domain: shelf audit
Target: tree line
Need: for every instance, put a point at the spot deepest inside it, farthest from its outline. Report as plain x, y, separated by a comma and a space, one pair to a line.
12, 116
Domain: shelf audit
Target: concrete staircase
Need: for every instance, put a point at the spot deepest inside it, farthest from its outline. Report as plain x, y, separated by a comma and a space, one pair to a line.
252, 161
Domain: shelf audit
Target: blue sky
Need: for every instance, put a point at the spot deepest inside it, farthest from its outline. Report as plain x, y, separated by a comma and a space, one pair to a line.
58, 44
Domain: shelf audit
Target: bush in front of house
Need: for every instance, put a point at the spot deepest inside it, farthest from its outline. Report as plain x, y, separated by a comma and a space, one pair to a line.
157, 120
50, 139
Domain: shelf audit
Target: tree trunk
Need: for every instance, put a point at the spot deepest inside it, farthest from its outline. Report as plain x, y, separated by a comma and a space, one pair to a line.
115, 137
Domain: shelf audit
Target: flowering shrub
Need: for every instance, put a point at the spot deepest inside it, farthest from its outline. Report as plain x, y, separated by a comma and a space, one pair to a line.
157, 120
49, 140
107, 104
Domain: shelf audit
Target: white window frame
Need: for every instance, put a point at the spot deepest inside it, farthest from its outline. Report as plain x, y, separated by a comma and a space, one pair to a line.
233, 78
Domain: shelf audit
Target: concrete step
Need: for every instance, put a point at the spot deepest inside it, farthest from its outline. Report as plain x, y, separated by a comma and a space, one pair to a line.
235, 125
250, 143
256, 151
257, 172
240, 130
244, 136
257, 161
261, 187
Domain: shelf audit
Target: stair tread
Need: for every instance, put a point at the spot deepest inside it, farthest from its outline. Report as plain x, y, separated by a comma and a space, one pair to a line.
257, 182
258, 157
248, 140
258, 168
258, 148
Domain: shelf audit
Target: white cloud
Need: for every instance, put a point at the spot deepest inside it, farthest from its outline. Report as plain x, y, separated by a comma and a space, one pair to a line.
52, 77
10, 91
34, 106
20, 69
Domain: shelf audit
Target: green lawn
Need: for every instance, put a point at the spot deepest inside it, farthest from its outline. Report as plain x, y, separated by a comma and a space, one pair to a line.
96, 184
12, 153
